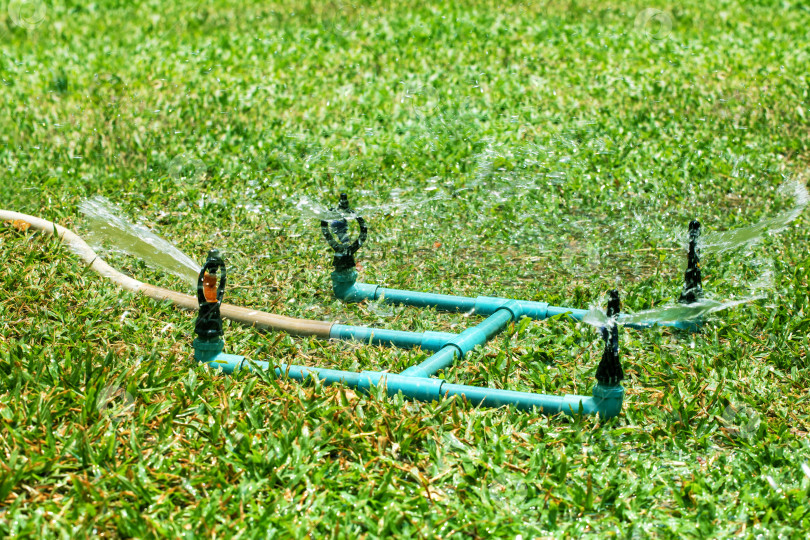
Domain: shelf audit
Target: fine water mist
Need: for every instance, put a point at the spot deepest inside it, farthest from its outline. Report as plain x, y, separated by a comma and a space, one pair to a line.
735, 242
108, 227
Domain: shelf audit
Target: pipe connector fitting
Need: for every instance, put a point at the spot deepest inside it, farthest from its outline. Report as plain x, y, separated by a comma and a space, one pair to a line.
481, 334
205, 351
514, 307
343, 283
210, 353
608, 400
346, 287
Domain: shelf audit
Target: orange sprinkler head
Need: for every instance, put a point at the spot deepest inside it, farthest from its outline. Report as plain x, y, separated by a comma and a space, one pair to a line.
210, 287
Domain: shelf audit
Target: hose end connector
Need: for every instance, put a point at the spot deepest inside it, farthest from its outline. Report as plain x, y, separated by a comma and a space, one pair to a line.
609, 372
343, 247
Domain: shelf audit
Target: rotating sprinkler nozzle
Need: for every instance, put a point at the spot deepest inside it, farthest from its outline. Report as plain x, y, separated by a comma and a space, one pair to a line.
209, 320
692, 278
343, 247
208, 327
609, 372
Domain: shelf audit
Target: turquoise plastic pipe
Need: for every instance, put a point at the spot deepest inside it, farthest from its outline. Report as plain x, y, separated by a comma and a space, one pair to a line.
606, 401
429, 341
348, 289
467, 341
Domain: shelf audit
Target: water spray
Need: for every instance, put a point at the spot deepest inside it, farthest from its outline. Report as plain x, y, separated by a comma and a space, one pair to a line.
418, 382
347, 288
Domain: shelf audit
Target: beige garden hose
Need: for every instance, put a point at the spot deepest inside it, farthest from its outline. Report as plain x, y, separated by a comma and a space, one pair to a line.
259, 319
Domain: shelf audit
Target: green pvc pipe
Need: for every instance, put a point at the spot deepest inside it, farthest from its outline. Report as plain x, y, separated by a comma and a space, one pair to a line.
428, 341
347, 288
606, 401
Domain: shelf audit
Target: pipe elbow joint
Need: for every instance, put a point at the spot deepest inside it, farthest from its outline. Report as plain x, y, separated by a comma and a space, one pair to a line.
608, 400
346, 288
435, 341
206, 350
487, 305
210, 353
415, 371
343, 282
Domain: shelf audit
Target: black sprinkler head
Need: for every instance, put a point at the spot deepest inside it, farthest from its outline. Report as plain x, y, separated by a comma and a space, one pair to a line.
343, 246
610, 372
692, 278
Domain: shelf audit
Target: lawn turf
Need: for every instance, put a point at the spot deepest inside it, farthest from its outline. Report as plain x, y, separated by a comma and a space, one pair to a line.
546, 150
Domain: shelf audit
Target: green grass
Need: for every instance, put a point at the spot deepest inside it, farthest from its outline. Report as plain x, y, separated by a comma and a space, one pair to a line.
545, 150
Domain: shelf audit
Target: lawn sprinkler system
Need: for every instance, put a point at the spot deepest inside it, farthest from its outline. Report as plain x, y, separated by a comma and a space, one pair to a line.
417, 382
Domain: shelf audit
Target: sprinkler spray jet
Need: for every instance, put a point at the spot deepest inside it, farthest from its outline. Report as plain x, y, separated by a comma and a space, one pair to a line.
347, 288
